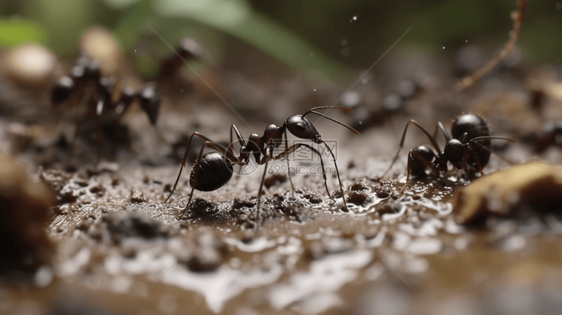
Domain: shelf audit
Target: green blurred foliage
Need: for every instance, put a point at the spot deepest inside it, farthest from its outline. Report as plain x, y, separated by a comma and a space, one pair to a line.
15, 32
306, 35
439, 23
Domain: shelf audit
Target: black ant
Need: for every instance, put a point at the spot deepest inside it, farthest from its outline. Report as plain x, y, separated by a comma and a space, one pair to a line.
469, 146
85, 85
550, 134
213, 170
187, 50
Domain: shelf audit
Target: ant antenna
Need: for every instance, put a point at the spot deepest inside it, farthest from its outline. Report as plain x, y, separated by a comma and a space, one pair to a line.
492, 138
345, 109
490, 150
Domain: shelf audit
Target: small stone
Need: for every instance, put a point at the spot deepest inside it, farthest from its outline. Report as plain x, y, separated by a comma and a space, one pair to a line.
358, 198
137, 197
204, 260
387, 208
274, 180
97, 189
358, 187
126, 225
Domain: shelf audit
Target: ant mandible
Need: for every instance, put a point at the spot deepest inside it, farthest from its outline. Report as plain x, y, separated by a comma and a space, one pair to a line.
85, 85
213, 170
469, 145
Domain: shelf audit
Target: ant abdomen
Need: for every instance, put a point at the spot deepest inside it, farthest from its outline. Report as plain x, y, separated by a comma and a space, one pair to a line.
214, 172
420, 159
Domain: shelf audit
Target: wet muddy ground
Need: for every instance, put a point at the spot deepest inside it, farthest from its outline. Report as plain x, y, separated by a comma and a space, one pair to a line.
120, 249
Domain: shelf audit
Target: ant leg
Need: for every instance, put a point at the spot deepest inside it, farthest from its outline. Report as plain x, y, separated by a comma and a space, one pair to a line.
425, 162
197, 167
266, 158
77, 125
338, 173
410, 157
293, 148
478, 164
184, 159
238, 135
289, 167
464, 157
464, 161
433, 142
99, 113
490, 150
443, 131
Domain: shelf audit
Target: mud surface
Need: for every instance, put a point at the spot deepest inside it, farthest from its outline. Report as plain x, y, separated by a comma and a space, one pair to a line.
121, 249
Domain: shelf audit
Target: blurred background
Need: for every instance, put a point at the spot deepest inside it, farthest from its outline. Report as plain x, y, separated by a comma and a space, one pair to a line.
267, 60
327, 38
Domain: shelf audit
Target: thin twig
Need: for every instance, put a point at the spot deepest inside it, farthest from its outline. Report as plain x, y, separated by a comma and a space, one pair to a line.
517, 17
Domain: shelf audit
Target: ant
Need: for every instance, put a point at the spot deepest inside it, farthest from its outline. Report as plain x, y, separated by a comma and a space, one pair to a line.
469, 146
549, 135
213, 170
85, 85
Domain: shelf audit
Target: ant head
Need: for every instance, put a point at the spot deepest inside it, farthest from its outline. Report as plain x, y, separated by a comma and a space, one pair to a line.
302, 128
150, 101
454, 152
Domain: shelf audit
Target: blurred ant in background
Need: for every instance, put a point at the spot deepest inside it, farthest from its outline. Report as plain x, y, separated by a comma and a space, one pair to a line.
391, 105
213, 170
467, 148
549, 135
89, 94
187, 50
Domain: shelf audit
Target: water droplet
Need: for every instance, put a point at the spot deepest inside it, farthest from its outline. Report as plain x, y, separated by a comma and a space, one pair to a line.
343, 42
443, 47
345, 52
314, 90
364, 81
355, 17
360, 122
467, 40
559, 6
135, 50
311, 54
